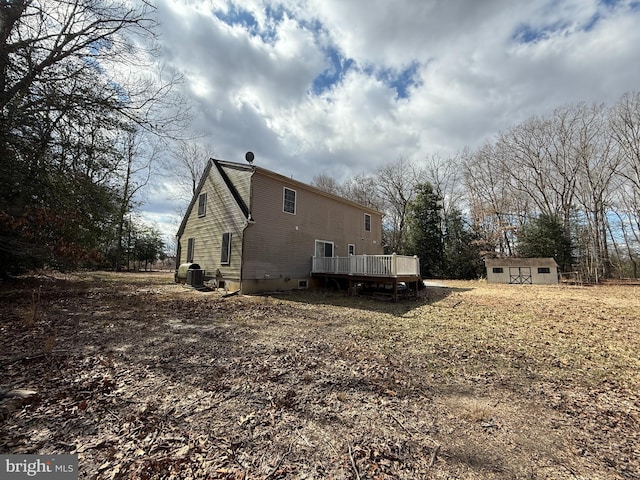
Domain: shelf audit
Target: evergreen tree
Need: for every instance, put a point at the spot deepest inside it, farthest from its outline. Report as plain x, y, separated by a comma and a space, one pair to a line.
462, 258
546, 236
425, 230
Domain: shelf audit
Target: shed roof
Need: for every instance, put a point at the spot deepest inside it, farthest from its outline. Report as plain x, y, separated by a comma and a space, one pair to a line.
520, 262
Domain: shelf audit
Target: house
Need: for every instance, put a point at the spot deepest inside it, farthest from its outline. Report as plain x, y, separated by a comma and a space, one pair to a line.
256, 230
536, 271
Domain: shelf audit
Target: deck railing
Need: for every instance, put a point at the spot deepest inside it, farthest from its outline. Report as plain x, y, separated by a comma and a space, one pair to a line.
368, 265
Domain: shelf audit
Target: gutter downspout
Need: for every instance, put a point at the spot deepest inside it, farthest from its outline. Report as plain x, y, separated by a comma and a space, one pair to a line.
249, 221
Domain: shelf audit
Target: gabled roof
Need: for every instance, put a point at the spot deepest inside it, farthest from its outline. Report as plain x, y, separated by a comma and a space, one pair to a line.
219, 166
520, 262
223, 168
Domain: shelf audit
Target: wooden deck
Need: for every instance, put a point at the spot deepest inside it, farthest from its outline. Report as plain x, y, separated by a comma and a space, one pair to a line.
370, 269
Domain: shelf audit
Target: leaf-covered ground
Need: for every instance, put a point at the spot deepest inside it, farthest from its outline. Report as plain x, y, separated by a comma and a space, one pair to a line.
146, 379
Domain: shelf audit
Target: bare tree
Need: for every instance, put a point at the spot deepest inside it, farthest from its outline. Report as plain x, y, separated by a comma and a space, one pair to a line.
496, 208
624, 120
137, 161
397, 185
327, 184
445, 176
191, 158
541, 155
598, 158
64, 100
363, 189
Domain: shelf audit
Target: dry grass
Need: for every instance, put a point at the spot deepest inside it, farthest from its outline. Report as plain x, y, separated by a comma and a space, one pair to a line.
152, 380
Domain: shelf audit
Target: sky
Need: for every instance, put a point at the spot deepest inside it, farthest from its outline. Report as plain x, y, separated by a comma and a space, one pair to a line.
342, 87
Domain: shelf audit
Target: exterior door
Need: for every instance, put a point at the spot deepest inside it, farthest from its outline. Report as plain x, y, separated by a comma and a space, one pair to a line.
521, 275
324, 249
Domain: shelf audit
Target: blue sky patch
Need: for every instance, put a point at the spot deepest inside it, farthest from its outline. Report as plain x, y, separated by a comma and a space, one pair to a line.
525, 33
237, 16
401, 81
338, 67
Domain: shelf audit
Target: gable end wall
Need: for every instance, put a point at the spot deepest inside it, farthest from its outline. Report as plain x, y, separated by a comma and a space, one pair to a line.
222, 216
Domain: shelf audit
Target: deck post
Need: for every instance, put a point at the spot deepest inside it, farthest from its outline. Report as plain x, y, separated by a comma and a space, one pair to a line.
394, 264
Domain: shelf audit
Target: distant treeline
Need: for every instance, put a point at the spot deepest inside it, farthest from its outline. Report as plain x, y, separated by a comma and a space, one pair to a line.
565, 186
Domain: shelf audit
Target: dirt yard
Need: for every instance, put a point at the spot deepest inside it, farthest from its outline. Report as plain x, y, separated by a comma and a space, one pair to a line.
146, 379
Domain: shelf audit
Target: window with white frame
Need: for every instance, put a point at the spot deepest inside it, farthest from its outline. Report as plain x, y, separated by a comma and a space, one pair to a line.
289, 201
225, 250
191, 246
202, 205
367, 222
352, 249
324, 248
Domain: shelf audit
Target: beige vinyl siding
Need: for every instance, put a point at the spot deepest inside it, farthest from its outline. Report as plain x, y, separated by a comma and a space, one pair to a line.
500, 270
222, 216
280, 245
241, 180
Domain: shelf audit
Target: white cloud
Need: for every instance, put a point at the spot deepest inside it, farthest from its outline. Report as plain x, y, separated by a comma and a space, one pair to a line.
480, 67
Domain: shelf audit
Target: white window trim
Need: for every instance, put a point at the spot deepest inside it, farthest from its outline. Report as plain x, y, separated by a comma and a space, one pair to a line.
191, 249
228, 261
365, 222
333, 247
204, 207
350, 247
295, 202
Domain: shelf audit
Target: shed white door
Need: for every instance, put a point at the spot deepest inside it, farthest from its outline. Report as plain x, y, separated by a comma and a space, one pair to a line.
520, 275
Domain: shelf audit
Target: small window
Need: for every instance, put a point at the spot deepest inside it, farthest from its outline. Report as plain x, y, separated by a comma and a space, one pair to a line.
544, 270
225, 256
497, 270
191, 245
367, 222
352, 249
289, 204
202, 205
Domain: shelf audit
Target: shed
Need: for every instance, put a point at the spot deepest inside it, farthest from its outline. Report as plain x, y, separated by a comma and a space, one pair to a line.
531, 271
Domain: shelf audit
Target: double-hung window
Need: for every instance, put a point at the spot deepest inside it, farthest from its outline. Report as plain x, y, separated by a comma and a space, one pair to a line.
202, 205
191, 246
225, 250
289, 201
367, 222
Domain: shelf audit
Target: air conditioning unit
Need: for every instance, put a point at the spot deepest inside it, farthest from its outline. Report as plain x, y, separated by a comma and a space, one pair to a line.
195, 277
